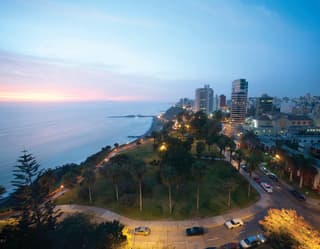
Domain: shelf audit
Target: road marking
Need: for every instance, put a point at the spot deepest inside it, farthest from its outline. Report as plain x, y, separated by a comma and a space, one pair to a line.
242, 231
215, 238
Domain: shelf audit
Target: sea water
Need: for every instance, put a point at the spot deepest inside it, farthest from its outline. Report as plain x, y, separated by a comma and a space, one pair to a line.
60, 133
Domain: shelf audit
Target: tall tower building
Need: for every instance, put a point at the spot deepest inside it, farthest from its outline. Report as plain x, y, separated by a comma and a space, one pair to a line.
223, 101
239, 97
204, 99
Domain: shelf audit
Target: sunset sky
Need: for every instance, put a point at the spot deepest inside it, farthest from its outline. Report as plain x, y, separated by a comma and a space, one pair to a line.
59, 50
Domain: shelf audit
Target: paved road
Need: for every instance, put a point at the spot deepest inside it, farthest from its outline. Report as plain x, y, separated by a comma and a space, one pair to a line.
173, 232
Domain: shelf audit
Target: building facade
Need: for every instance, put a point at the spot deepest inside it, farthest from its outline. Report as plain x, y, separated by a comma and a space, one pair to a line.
222, 101
264, 105
204, 100
239, 97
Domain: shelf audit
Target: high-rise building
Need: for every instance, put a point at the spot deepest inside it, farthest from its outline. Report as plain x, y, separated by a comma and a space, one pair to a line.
204, 99
223, 101
264, 105
239, 97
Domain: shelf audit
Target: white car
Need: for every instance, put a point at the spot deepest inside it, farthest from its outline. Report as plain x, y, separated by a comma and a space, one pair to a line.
236, 222
142, 231
267, 187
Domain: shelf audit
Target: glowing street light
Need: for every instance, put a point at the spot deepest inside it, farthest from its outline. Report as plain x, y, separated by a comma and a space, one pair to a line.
163, 147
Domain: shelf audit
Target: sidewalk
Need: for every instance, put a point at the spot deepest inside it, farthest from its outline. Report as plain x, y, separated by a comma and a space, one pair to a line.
106, 215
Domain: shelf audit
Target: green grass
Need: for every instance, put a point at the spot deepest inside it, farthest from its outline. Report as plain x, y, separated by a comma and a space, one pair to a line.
213, 193
144, 151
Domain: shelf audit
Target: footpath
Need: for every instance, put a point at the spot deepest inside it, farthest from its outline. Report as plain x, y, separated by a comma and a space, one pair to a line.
262, 205
101, 214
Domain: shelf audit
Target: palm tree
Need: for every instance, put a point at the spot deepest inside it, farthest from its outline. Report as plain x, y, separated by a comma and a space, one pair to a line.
250, 140
200, 147
169, 177
89, 178
253, 160
230, 185
113, 169
303, 164
238, 156
210, 139
222, 142
198, 171
232, 146
138, 168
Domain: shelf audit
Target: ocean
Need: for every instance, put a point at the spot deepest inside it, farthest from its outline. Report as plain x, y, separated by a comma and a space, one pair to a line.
60, 133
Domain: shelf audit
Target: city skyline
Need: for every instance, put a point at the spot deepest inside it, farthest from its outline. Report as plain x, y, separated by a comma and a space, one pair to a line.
73, 50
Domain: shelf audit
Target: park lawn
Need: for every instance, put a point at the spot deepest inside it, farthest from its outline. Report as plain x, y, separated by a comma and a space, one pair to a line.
213, 194
144, 151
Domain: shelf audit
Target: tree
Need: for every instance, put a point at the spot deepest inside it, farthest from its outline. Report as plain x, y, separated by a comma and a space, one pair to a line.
177, 156
76, 231
250, 140
47, 180
232, 146
200, 148
238, 156
138, 168
303, 164
89, 179
230, 185
253, 160
198, 124
113, 169
37, 211
169, 176
286, 223
282, 240
28, 192
222, 142
210, 140
198, 171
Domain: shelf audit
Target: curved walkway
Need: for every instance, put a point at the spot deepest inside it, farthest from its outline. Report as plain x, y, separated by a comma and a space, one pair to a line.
107, 215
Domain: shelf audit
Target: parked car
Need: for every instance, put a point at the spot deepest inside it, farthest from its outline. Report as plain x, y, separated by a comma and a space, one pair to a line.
252, 241
257, 179
231, 245
244, 167
264, 170
236, 222
273, 177
191, 231
142, 231
267, 187
298, 195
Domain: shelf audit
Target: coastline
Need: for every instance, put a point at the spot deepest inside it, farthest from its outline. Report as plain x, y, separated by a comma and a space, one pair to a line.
72, 133
156, 126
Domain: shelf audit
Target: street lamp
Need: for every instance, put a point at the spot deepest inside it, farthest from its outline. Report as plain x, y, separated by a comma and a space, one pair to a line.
163, 147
